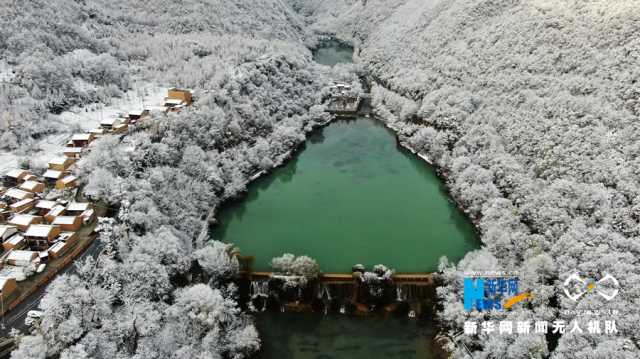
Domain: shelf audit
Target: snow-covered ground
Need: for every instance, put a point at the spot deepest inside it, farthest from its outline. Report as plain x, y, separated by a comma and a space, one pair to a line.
84, 119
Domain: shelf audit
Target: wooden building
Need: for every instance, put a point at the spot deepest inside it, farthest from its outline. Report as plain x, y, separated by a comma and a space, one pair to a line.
68, 237
23, 206
8, 287
81, 140
21, 258
23, 221
7, 231
73, 152
32, 186
40, 236
186, 96
139, 115
68, 182
16, 241
52, 176
14, 195
68, 223
15, 177
57, 210
61, 163
43, 207
58, 249
84, 210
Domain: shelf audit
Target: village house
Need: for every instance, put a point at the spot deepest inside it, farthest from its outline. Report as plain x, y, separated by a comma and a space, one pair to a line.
30, 177
32, 186
14, 195
15, 177
177, 99
23, 221
68, 237
183, 95
81, 140
8, 287
7, 231
135, 116
58, 249
56, 211
23, 206
68, 182
97, 132
114, 125
68, 223
43, 207
39, 236
83, 209
20, 258
52, 176
16, 241
61, 163
73, 152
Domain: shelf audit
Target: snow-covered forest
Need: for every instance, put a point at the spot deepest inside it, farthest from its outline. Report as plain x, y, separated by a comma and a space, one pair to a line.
529, 109
259, 93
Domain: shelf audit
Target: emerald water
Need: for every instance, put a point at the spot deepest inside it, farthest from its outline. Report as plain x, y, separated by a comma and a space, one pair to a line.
351, 196
332, 52
311, 336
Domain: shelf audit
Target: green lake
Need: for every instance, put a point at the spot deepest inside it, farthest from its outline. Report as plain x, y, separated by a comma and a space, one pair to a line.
314, 336
350, 196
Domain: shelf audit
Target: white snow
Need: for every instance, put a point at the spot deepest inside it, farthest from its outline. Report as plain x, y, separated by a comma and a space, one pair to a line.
39, 230
86, 119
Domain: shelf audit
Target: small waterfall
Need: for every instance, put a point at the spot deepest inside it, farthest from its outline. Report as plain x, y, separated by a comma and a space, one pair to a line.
258, 289
401, 295
343, 310
412, 314
324, 292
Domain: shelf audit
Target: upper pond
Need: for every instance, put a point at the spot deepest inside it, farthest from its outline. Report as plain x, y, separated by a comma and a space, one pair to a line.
350, 196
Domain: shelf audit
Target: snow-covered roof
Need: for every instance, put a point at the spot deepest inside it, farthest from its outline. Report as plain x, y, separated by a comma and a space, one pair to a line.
39, 230
42, 204
55, 211
57, 247
24, 202
98, 131
16, 173
73, 150
4, 229
58, 161
3, 282
19, 255
173, 101
29, 185
68, 179
22, 219
110, 121
63, 220
52, 174
18, 193
136, 112
78, 206
81, 137
15, 239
